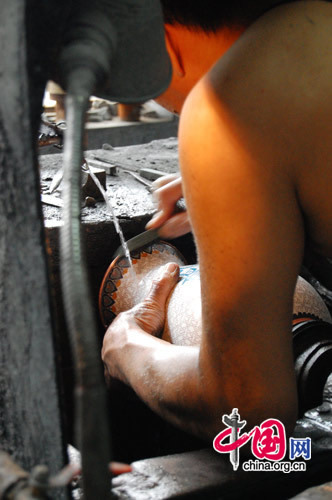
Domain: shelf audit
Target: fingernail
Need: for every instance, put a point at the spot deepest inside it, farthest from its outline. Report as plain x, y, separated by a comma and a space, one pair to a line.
172, 268
152, 222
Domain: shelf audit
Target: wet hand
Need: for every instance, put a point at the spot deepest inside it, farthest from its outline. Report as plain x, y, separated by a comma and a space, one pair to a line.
131, 327
167, 190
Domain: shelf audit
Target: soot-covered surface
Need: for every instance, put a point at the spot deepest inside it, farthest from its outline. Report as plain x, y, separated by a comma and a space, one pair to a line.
130, 199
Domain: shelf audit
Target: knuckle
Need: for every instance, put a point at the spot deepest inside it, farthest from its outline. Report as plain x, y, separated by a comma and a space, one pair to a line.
138, 310
155, 285
145, 307
148, 316
163, 196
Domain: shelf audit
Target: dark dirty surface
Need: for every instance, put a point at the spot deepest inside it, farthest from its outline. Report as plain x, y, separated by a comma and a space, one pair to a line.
30, 422
322, 492
130, 199
204, 474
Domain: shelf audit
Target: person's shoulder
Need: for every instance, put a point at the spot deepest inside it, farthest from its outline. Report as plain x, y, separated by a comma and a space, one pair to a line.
276, 77
285, 45
300, 30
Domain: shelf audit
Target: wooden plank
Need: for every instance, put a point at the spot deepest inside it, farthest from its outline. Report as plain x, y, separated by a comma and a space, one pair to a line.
30, 427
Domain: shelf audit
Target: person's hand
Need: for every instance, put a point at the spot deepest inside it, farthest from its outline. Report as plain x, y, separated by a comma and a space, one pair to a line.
131, 327
167, 190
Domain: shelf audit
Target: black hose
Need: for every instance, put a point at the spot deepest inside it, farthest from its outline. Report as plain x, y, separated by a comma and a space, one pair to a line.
85, 62
91, 404
90, 44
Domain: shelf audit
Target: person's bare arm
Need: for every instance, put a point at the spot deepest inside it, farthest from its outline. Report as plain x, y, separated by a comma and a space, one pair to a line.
235, 154
248, 229
249, 237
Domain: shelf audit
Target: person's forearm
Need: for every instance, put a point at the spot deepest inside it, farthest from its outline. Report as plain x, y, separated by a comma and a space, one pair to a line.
166, 377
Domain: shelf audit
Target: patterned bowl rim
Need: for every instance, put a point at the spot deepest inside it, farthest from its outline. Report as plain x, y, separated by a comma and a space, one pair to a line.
120, 263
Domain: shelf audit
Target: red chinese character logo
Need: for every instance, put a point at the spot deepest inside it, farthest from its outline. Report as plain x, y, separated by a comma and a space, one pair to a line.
269, 444
268, 440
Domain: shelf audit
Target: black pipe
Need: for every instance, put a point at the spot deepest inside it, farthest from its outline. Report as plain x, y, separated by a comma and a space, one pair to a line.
84, 64
133, 44
92, 429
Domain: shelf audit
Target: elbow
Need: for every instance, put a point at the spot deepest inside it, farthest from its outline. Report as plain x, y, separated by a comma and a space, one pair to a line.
253, 410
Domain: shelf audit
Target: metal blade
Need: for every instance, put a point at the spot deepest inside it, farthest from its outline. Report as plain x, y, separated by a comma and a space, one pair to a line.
139, 241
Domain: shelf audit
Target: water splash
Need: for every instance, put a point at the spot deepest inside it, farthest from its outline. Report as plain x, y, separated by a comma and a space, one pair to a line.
114, 217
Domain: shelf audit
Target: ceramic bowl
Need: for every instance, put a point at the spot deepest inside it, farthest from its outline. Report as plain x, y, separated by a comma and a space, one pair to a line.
124, 287
308, 304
